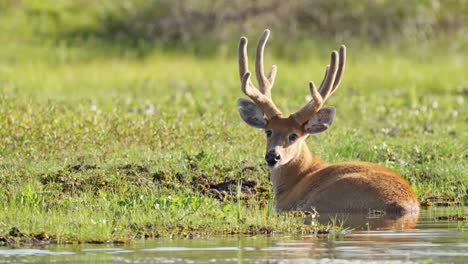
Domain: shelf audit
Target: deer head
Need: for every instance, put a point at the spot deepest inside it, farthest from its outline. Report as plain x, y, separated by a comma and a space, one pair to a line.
285, 135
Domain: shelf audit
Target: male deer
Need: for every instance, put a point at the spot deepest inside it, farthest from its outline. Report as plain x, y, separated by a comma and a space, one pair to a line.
301, 181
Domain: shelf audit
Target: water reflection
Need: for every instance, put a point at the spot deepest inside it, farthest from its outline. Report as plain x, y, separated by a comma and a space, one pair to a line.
373, 222
377, 240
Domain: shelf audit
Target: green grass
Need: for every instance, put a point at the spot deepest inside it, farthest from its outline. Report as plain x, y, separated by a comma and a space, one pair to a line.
175, 117
105, 144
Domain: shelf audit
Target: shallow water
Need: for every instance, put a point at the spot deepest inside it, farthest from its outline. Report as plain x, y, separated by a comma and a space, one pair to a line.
380, 241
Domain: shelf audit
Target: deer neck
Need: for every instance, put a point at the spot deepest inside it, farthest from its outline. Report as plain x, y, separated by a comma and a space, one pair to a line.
286, 177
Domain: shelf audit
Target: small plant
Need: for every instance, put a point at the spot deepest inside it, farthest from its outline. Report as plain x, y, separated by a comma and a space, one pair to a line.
239, 203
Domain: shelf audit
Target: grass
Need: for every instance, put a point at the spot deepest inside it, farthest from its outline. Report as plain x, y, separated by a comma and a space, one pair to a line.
110, 148
106, 145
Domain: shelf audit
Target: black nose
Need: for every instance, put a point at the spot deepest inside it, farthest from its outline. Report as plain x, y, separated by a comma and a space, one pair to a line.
272, 157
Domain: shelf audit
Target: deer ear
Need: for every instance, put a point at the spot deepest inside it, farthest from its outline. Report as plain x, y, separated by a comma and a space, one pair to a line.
320, 121
251, 113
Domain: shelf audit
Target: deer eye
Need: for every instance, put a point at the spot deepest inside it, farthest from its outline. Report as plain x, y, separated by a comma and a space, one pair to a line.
268, 133
292, 137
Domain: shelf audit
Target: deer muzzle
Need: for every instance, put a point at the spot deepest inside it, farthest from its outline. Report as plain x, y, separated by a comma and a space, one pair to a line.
272, 157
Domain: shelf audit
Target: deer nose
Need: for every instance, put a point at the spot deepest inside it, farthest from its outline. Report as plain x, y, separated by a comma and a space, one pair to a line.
272, 158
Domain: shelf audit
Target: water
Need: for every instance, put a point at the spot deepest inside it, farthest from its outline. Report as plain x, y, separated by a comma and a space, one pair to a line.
379, 241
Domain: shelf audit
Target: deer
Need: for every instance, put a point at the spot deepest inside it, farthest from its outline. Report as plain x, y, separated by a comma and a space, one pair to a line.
301, 181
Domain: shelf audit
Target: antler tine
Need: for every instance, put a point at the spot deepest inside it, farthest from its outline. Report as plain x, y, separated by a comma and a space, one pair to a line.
242, 56
265, 103
327, 85
263, 97
341, 68
316, 97
265, 84
311, 107
333, 74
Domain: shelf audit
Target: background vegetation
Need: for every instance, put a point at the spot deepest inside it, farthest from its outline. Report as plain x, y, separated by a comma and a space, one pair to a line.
118, 119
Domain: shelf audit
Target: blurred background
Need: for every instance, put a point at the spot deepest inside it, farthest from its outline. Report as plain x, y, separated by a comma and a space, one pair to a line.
212, 27
177, 60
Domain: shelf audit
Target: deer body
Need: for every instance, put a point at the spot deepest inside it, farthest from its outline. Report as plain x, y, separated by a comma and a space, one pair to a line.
307, 182
301, 180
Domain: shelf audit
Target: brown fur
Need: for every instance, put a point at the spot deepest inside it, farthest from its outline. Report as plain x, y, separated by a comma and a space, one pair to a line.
307, 182
301, 181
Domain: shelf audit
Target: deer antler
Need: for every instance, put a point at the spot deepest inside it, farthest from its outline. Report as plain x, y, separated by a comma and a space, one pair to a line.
261, 97
330, 83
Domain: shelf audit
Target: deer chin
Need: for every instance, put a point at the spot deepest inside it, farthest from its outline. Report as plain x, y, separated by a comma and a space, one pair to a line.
273, 167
